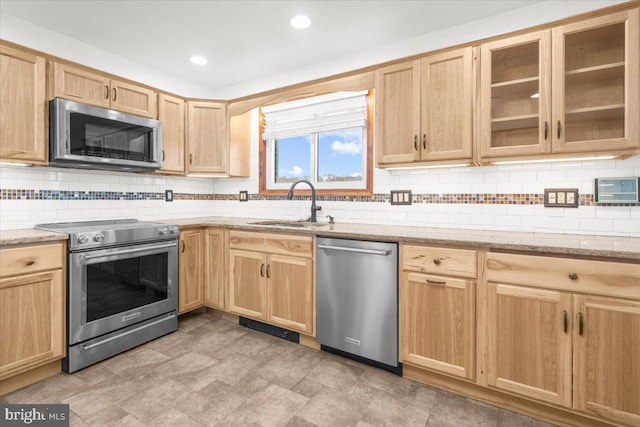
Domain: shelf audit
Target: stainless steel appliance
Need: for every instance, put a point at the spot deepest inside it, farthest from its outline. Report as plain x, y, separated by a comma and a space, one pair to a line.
84, 136
122, 287
357, 299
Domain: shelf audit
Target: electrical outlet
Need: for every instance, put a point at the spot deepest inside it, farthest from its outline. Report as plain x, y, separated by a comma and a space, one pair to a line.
244, 196
168, 195
561, 198
400, 197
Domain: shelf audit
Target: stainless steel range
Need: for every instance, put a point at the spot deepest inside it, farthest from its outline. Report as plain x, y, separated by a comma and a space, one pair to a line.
122, 287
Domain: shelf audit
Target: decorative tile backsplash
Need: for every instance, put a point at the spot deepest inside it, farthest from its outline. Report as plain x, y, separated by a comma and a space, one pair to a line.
491, 198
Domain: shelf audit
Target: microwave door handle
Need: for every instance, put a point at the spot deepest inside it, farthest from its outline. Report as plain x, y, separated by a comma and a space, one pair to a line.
130, 251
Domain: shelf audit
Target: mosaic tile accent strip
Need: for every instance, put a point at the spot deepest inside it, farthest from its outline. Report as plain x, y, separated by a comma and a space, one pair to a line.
472, 199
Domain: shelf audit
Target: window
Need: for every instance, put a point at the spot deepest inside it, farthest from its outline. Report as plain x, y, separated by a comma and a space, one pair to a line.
324, 139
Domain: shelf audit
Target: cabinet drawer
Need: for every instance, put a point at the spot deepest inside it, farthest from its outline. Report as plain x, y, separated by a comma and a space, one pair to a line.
31, 259
454, 262
283, 244
574, 275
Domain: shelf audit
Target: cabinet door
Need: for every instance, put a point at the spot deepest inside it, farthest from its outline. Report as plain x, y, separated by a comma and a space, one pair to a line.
247, 283
515, 98
134, 99
529, 342
23, 106
596, 88
398, 113
171, 114
437, 323
447, 99
32, 315
607, 358
80, 85
290, 297
215, 260
191, 271
207, 137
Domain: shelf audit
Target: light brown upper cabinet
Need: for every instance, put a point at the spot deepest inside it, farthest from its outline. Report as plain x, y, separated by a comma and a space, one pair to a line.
171, 114
424, 109
23, 105
596, 86
207, 137
515, 102
570, 89
94, 88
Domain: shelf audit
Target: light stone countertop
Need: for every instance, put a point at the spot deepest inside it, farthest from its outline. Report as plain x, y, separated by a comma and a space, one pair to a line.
29, 235
552, 243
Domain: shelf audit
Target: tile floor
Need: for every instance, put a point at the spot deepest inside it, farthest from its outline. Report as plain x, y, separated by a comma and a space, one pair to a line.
213, 372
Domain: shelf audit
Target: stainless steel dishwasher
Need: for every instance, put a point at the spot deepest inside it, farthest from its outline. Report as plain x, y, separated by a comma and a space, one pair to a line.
357, 299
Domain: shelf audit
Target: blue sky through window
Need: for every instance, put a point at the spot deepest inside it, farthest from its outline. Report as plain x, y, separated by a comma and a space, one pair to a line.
339, 156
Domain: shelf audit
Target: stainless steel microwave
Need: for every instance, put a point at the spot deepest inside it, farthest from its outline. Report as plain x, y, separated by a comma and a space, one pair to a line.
84, 136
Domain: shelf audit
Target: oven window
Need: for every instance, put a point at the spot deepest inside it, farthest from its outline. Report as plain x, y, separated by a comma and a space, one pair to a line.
95, 136
117, 286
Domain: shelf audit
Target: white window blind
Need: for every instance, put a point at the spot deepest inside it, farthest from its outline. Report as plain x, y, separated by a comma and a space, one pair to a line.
339, 110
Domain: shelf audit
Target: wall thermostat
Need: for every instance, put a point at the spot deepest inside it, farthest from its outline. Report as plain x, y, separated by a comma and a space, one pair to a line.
617, 190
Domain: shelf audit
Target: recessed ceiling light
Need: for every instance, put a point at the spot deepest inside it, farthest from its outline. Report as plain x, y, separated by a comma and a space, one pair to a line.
199, 60
300, 21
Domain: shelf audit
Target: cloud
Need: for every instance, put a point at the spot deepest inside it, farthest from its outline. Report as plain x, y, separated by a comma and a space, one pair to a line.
352, 148
294, 171
356, 175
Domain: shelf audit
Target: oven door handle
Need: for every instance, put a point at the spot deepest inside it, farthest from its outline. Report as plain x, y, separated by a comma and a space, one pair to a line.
131, 251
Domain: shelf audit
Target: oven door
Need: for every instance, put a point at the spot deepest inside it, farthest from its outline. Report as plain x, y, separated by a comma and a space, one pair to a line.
110, 289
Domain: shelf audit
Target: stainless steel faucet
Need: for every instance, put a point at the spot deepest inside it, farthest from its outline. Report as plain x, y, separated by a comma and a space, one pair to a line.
314, 208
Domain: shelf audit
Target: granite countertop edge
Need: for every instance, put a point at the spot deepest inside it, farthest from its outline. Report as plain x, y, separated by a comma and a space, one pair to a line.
552, 243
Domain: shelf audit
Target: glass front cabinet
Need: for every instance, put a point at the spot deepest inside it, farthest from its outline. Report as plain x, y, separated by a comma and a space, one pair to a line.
569, 89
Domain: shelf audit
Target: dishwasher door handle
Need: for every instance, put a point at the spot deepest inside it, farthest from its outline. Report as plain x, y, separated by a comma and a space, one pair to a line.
356, 250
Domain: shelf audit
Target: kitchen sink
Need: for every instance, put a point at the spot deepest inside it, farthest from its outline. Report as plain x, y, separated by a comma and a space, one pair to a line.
291, 224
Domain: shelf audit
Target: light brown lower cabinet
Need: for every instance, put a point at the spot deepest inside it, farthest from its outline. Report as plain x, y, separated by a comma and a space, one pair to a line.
529, 342
437, 311
558, 344
437, 323
191, 270
215, 260
271, 279
32, 313
606, 358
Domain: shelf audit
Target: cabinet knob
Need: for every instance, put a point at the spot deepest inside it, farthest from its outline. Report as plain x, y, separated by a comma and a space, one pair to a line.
437, 261
573, 276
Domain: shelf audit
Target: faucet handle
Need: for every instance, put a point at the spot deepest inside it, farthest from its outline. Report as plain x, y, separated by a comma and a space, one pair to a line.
331, 221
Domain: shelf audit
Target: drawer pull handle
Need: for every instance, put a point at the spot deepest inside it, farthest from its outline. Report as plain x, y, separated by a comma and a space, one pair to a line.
566, 321
183, 246
415, 142
580, 324
115, 94
437, 261
437, 282
261, 270
30, 263
106, 92
424, 141
573, 276
546, 130
268, 270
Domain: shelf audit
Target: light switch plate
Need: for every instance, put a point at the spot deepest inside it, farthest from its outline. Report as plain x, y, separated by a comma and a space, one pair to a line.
244, 196
400, 197
561, 198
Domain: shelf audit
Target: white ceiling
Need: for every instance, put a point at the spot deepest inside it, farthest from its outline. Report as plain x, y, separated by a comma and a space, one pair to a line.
245, 41
249, 42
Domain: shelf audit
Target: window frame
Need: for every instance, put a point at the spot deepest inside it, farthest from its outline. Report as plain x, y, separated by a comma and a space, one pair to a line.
342, 189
